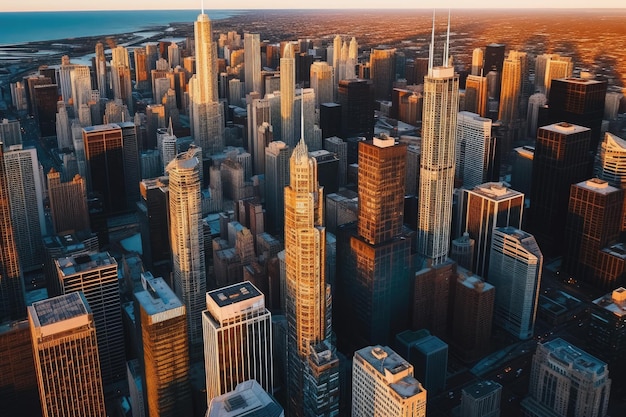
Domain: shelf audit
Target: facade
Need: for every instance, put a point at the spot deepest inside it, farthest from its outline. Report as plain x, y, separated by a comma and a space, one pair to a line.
383, 385
276, 178
607, 329
481, 399
356, 98
472, 317
206, 112
593, 222
252, 62
186, 243
321, 381
237, 339
288, 96
515, 270
611, 165
247, 399
322, 82
439, 124
486, 207
63, 332
476, 95
104, 152
473, 148
165, 348
26, 200
560, 160
580, 101
565, 380
68, 203
95, 275
383, 71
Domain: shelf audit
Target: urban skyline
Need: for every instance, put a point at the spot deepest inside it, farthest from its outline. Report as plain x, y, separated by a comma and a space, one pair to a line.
233, 217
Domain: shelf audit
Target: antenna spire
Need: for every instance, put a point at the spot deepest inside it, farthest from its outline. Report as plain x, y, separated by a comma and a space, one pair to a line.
446, 49
432, 46
302, 113
202, 5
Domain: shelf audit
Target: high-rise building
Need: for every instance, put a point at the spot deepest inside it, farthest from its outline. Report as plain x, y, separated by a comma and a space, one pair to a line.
535, 102
10, 132
153, 209
307, 295
383, 71
276, 179
566, 381
476, 95
373, 295
511, 87
132, 174
560, 160
429, 356
45, 98
439, 124
165, 348
340, 149
237, 339
580, 101
594, 221
104, 151
322, 82
356, 98
611, 166
383, 385
474, 148
607, 329
95, 275
477, 61
252, 62
26, 204
481, 399
63, 332
12, 301
472, 315
515, 270
555, 67
248, 399
287, 96
494, 57
206, 112
187, 245
486, 207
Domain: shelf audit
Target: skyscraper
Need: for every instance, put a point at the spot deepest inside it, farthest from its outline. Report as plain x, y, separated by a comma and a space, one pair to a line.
95, 275
477, 61
611, 165
511, 87
439, 123
560, 160
252, 62
187, 244
104, 151
12, 302
383, 71
383, 385
481, 399
515, 270
165, 348
373, 293
476, 94
288, 96
63, 331
255, 402
26, 200
474, 148
237, 339
485, 208
356, 98
607, 329
206, 112
306, 295
594, 221
276, 179
566, 381
322, 82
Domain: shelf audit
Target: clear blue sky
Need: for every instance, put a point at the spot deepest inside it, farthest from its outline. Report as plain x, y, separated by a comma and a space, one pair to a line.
61, 5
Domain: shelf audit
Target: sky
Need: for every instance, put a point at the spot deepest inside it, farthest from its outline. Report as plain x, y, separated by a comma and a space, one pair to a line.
64, 5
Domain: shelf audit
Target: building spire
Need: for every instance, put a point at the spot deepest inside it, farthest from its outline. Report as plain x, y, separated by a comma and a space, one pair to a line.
202, 6
432, 47
446, 49
170, 131
302, 113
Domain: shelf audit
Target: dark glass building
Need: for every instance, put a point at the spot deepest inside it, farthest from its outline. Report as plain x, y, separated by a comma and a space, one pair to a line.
357, 108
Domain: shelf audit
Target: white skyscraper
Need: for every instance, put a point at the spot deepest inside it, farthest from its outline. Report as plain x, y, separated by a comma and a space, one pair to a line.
288, 96
206, 112
252, 62
237, 339
515, 270
473, 145
439, 121
185, 208
383, 385
322, 82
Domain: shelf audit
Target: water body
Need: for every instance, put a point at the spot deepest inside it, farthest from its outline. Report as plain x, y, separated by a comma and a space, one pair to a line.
23, 27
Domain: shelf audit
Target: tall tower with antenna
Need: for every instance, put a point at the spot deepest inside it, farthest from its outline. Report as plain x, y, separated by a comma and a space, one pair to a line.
440, 108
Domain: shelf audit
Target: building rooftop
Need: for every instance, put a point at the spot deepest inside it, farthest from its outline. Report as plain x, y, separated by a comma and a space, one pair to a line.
576, 80
158, 297
525, 239
496, 191
565, 128
247, 399
393, 368
430, 344
481, 389
618, 250
526, 151
101, 128
233, 294
575, 357
598, 186
471, 281
615, 302
59, 314
80, 263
